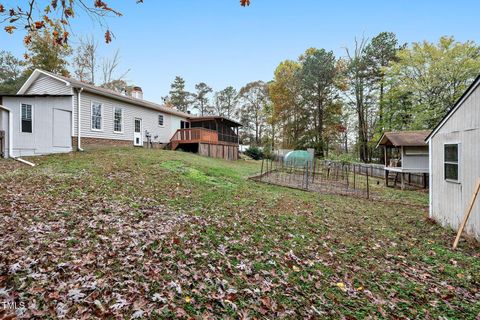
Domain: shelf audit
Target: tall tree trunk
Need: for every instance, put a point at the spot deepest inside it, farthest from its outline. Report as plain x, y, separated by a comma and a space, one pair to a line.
321, 146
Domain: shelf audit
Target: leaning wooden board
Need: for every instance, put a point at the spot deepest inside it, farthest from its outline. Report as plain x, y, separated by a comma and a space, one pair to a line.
467, 214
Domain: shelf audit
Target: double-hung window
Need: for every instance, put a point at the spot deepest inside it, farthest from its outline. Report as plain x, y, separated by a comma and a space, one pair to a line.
27, 123
117, 120
160, 120
451, 162
96, 116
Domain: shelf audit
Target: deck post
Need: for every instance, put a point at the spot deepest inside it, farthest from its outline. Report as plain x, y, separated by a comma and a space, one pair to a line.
402, 180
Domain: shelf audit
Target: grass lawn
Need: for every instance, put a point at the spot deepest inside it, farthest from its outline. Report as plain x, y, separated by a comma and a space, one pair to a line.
136, 233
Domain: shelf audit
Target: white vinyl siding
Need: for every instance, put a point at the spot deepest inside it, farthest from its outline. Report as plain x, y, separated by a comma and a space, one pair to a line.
96, 116
117, 120
449, 200
48, 85
130, 112
44, 134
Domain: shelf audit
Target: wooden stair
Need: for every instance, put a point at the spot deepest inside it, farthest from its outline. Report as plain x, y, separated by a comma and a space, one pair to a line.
393, 176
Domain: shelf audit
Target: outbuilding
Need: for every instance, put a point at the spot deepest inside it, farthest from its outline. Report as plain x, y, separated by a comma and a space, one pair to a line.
405, 153
454, 147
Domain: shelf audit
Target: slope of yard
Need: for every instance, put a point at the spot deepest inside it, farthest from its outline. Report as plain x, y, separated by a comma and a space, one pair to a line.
138, 233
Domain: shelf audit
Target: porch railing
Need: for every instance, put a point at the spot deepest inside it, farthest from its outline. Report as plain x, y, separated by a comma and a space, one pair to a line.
195, 135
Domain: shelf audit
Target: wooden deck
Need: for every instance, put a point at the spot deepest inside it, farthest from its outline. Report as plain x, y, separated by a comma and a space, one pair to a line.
206, 142
193, 135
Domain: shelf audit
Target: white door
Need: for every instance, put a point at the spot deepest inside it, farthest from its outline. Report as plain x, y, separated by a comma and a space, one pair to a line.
137, 133
62, 130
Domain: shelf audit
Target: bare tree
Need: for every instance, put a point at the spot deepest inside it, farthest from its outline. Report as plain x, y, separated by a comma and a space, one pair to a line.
253, 98
360, 96
85, 60
111, 78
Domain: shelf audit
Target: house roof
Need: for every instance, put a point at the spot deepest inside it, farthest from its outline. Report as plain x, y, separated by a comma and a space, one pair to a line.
100, 91
455, 107
233, 123
404, 138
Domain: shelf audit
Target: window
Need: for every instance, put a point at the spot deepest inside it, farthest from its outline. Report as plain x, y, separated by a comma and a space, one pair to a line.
117, 119
96, 116
26, 118
160, 120
451, 162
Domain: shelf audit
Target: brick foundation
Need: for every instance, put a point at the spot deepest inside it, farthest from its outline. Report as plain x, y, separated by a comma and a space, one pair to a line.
94, 143
97, 142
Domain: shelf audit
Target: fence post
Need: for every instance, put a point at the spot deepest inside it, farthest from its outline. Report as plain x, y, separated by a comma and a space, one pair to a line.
347, 169
368, 187
306, 180
354, 177
314, 168
261, 171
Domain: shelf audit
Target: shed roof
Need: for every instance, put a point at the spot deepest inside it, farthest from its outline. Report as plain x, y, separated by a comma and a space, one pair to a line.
404, 138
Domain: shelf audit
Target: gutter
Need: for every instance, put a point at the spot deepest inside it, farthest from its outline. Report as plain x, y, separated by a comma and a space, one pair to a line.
10, 138
79, 103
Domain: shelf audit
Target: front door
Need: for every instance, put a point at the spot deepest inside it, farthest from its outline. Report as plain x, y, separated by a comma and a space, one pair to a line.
137, 134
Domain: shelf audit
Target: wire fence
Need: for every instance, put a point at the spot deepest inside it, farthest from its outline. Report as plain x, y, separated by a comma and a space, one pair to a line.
318, 176
414, 180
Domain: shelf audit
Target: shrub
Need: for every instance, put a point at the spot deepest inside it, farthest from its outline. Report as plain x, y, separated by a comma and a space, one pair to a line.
344, 158
255, 153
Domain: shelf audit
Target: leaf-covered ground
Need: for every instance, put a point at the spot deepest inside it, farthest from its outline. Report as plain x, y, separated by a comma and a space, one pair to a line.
133, 233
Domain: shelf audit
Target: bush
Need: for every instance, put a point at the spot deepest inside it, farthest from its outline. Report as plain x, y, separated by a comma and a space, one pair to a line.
255, 153
344, 158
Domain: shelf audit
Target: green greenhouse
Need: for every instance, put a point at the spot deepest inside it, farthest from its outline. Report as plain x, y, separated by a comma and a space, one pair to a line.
298, 158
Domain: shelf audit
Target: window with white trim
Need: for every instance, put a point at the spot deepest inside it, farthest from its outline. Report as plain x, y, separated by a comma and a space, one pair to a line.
117, 119
451, 161
27, 123
160, 120
96, 116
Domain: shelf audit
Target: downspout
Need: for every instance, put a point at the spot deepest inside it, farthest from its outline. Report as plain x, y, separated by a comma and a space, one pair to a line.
10, 138
79, 103
430, 178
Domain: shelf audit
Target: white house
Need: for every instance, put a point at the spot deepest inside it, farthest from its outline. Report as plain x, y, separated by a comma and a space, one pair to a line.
454, 148
53, 114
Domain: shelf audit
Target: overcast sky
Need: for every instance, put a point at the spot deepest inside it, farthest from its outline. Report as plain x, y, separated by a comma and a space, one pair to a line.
221, 43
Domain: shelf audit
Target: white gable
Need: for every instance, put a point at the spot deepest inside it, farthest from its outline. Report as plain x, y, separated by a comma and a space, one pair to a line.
42, 83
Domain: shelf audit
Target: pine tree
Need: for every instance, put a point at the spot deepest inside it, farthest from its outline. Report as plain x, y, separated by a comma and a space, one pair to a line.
179, 98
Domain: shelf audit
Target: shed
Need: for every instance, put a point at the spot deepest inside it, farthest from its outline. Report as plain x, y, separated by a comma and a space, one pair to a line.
406, 152
454, 146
